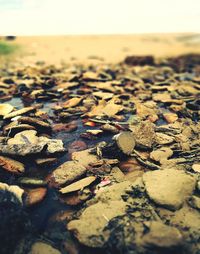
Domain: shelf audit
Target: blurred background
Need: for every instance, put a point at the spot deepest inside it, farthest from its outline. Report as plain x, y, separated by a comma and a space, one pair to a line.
109, 29
62, 17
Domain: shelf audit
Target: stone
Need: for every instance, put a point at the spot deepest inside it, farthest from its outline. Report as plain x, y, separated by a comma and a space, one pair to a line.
170, 117
43, 248
161, 154
89, 227
19, 112
162, 236
169, 187
144, 133
26, 142
78, 185
163, 139
84, 157
12, 166
35, 196
5, 109
196, 168
194, 202
18, 192
66, 173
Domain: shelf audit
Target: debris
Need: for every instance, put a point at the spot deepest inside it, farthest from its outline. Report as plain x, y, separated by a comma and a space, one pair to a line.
110, 149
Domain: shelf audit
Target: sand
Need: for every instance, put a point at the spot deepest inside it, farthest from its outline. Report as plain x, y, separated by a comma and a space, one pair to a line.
111, 48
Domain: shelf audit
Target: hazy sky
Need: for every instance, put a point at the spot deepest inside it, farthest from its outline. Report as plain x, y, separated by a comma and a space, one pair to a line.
36, 17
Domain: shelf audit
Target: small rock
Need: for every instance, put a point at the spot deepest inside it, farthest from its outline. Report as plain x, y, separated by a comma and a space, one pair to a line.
163, 139
169, 187
194, 201
19, 112
170, 117
196, 168
162, 236
144, 134
35, 196
43, 248
109, 128
36, 122
94, 132
11, 165
14, 189
161, 154
66, 173
76, 198
66, 127
13, 128
84, 157
26, 142
76, 146
89, 227
45, 161
31, 181
79, 185
5, 109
